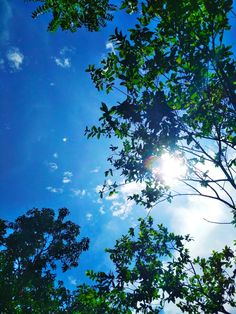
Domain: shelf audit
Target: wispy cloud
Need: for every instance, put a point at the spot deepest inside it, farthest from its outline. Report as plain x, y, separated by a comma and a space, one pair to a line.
54, 190
63, 62
188, 218
122, 209
98, 188
15, 58
101, 210
95, 170
111, 197
72, 281
66, 50
131, 188
121, 206
109, 45
78, 192
89, 216
67, 175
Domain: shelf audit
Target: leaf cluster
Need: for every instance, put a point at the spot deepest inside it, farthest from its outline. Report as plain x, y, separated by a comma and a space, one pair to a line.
152, 268
74, 14
32, 248
178, 78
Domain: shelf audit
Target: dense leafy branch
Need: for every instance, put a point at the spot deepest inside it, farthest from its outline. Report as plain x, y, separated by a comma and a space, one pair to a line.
32, 248
71, 15
152, 268
179, 78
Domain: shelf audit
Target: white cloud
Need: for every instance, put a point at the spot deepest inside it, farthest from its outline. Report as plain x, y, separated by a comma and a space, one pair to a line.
121, 206
89, 216
63, 62
15, 58
65, 50
66, 180
65, 139
72, 281
132, 188
83, 192
55, 155
96, 170
67, 175
98, 201
78, 192
110, 46
98, 188
101, 210
189, 219
53, 166
54, 190
122, 209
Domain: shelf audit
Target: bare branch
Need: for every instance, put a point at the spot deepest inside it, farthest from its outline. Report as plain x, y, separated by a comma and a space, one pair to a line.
217, 222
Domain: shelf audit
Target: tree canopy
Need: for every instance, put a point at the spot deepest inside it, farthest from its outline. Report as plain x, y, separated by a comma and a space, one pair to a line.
177, 74
152, 268
32, 248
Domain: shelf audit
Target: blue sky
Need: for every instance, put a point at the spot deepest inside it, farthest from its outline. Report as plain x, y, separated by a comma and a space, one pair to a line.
47, 100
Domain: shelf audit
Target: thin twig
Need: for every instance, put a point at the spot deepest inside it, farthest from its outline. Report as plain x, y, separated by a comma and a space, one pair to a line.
218, 222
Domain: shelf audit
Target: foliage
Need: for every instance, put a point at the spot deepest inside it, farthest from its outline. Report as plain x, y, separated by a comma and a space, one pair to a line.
152, 268
179, 77
70, 15
32, 248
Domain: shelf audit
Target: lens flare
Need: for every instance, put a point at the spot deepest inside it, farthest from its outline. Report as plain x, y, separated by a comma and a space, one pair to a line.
167, 168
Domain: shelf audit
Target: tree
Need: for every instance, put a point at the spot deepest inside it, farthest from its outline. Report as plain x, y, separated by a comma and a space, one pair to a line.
152, 268
32, 248
178, 77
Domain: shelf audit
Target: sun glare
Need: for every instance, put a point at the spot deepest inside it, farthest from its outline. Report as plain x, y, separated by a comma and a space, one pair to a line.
172, 168
167, 168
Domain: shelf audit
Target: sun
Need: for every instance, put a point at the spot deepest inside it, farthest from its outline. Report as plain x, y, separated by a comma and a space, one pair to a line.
168, 168
172, 168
